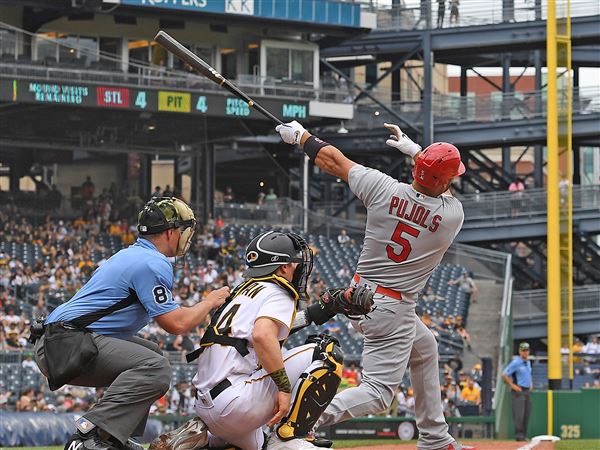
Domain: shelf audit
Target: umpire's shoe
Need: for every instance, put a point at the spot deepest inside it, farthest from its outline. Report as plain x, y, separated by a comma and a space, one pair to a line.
191, 435
89, 441
132, 444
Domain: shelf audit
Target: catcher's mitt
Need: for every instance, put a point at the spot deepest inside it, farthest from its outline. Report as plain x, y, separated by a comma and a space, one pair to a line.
353, 302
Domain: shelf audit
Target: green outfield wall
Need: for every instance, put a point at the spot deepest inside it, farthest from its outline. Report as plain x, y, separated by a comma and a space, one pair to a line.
576, 415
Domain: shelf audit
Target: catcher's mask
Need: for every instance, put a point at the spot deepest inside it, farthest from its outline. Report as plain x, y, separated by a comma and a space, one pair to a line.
165, 213
267, 251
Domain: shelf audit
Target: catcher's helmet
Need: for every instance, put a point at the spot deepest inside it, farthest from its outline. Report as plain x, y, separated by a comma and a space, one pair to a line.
269, 250
438, 164
163, 213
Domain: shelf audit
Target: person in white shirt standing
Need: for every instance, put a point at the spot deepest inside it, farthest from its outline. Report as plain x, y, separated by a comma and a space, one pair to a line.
409, 228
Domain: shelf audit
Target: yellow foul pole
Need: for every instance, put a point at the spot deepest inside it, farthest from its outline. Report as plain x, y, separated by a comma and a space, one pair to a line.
553, 217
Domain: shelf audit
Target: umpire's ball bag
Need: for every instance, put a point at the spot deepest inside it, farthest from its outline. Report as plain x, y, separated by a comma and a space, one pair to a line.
69, 352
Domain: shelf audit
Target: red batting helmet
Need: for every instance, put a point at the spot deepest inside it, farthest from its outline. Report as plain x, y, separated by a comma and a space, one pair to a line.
437, 164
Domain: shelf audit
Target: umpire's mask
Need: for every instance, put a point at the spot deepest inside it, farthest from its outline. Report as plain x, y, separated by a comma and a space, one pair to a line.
267, 251
164, 213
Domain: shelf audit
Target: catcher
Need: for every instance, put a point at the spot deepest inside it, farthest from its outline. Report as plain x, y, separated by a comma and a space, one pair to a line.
244, 381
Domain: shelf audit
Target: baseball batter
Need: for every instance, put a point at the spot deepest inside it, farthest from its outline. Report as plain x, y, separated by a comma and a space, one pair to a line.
244, 381
409, 228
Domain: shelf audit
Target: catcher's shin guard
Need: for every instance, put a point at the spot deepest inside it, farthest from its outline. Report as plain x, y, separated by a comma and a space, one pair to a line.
314, 390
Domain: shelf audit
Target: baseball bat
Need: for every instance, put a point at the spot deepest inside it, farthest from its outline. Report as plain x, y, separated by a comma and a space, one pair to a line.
174, 46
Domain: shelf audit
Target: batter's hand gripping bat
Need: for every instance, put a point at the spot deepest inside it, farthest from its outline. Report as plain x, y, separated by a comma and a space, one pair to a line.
174, 46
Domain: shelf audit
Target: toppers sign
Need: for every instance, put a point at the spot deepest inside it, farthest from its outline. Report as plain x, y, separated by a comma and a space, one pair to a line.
223, 6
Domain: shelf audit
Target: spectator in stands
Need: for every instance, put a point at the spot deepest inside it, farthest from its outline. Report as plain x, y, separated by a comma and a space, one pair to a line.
441, 13
464, 334
157, 192
592, 347
450, 408
477, 373
471, 393
344, 273
271, 195
518, 376
87, 189
168, 192
343, 238
11, 320
452, 392
29, 363
219, 223
117, 302
331, 327
228, 196
351, 374
12, 340
183, 343
467, 285
431, 296
454, 11
516, 197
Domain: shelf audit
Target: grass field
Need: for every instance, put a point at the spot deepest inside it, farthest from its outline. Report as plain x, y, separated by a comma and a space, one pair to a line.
582, 444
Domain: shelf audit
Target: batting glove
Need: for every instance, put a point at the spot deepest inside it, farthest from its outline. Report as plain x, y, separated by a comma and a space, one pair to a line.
290, 132
400, 141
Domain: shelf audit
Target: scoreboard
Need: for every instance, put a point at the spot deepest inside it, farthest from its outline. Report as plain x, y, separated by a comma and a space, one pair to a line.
145, 99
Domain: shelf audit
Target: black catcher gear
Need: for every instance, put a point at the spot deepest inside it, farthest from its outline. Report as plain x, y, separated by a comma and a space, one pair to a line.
353, 302
267, 251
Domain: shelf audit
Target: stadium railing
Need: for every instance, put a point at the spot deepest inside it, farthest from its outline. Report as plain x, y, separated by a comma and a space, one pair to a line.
531, 202
485, 108
101, 67
471, 13
286, 213
533, 303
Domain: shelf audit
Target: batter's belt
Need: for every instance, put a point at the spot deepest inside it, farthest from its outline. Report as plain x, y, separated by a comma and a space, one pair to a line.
397, 295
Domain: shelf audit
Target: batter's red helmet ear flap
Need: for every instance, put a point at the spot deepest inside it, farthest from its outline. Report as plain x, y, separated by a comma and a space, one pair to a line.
438, 164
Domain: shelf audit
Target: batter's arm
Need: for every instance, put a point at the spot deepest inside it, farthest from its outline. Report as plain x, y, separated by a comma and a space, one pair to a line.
331, 160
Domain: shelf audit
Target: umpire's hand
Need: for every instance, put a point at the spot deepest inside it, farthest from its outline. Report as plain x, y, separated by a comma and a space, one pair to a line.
218, 297
282, 406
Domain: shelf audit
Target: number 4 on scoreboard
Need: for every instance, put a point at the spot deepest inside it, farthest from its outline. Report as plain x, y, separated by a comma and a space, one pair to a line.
140, 100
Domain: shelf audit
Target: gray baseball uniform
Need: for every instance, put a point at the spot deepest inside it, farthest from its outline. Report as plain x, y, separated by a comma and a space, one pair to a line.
406, 236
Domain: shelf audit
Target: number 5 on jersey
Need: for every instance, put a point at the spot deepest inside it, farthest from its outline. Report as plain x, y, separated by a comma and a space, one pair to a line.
402, 242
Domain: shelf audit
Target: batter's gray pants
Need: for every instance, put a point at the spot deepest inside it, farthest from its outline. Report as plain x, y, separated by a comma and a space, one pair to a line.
136, 375
395, 337
521, 408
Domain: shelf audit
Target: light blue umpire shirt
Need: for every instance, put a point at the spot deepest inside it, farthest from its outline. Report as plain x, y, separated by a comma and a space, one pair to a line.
139, 270
521, 370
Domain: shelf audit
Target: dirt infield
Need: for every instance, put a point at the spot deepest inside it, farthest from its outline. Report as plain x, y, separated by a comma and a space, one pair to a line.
481, 445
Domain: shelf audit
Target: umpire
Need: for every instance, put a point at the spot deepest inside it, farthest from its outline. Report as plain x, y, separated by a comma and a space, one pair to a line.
89, 340
518, 376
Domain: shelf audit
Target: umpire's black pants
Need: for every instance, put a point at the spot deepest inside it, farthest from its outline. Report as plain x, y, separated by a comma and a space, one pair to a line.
136, 374
521, 408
